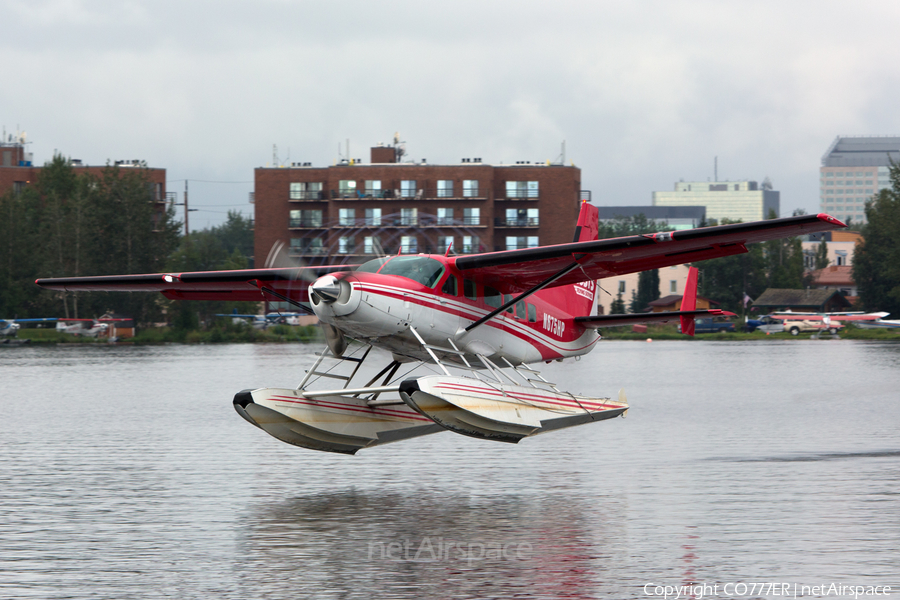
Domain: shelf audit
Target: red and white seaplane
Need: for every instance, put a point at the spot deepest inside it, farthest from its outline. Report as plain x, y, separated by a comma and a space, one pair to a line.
476, 322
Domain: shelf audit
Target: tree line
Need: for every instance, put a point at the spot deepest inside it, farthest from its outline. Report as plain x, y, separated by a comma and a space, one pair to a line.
71, 222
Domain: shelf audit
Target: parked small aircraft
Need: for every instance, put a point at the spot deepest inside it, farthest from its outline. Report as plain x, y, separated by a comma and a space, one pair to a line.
84, 327
796, 322
10, 327
486, 317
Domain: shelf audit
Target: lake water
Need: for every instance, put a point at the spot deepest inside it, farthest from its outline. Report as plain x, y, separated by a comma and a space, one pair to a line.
126, 473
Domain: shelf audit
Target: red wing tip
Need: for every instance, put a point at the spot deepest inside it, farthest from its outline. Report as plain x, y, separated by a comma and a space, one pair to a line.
828, 218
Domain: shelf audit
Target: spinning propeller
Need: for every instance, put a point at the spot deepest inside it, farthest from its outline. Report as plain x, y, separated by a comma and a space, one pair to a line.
326, 289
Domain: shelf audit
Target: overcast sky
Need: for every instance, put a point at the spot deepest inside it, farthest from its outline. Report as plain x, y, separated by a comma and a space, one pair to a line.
643, 93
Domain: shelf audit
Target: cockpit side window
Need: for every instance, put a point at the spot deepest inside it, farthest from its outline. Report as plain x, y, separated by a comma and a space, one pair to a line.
450, 286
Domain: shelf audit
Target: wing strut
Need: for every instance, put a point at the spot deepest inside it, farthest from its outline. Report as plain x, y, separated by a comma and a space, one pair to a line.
265, 290
524, 294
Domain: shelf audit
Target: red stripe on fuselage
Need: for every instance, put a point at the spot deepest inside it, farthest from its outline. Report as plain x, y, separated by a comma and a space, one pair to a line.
524, 330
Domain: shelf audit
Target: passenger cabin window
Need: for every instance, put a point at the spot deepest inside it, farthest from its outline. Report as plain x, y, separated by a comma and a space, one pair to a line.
532, 313
520, 309
450, 286
492, 297
420, 269
469, 289
507, 298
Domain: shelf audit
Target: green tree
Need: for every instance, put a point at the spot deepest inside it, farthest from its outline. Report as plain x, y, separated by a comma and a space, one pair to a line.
876, 260
617, 306
236, 234
647, 291
821, 260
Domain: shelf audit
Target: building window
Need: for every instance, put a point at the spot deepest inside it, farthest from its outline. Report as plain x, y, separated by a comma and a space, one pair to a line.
306, 190
470, 188
472, 216
373, 217
518, 242
521, 189
347, 188
840, 258
371, 245
673, 286
345, 245
307, 246
444, 242
470, 244
522, 217
373, 188
409, 217
621, 287
445, 216
306, 218
445, 188
408, 244
408, 188
347, 217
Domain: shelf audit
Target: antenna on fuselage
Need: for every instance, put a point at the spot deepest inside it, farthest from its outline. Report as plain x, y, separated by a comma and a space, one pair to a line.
447, 253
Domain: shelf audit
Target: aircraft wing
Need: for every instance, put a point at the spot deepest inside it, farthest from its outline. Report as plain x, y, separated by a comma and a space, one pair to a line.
288, 284
598, 321
512, 271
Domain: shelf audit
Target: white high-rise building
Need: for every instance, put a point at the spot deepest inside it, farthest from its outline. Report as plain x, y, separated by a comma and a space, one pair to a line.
853, 170
735, 200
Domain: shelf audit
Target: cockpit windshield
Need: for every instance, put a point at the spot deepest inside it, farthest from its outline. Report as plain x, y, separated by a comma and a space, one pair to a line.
421, 269
373, 265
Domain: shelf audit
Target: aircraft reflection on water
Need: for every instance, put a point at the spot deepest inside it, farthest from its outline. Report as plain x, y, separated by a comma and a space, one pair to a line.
544, 546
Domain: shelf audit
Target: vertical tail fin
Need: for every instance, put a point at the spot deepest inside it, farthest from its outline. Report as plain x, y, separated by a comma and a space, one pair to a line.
689, 301
583, 295
588, 227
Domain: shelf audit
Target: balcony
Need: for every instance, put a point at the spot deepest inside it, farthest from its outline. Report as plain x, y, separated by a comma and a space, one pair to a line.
430, 221
306, 196
305, 224
377, 223
308, 251
397, 194
517, 222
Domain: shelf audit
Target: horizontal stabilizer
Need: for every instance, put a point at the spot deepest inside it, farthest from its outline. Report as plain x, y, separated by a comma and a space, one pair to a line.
599, 321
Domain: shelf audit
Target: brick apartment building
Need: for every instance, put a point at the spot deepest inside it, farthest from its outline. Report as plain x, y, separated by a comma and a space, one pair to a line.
18, 171
349, 212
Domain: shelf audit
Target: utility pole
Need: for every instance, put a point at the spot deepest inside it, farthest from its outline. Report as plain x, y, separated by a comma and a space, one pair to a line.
187, 231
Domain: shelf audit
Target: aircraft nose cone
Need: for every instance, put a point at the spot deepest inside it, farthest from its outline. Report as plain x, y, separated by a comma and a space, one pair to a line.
327, 288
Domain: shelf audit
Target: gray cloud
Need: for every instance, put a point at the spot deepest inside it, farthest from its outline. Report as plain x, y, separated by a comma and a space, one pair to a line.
643, 93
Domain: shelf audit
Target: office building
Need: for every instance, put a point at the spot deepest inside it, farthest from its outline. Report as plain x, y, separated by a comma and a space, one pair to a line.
677, 217
853, 170
734, 200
